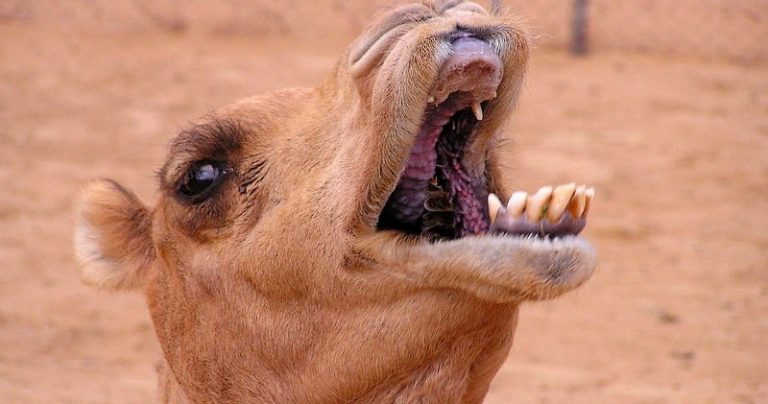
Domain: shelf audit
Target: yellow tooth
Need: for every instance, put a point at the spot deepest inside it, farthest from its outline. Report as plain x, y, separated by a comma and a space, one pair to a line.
516, 204
560, 198
494, 204
590, 194
478, 110
431, 99
579, 199
537, 202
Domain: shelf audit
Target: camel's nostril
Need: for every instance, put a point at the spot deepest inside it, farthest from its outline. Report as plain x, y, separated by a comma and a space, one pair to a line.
465, 42
461, 35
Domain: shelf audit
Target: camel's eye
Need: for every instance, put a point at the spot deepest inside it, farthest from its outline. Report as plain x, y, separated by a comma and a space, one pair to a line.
201, 179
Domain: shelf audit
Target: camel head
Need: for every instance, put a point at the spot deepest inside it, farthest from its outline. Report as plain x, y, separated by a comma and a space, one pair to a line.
347, 241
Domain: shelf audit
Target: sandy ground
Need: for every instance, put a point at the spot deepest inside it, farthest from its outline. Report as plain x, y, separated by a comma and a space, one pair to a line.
677, 148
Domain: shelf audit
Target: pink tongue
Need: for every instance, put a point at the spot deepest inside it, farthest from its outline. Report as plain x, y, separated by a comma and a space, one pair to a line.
406, 204
407, 201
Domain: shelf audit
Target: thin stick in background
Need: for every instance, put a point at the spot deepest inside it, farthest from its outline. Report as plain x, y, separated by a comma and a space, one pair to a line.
579, 26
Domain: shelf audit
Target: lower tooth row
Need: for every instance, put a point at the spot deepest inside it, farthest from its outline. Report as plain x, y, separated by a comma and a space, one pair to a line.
547, 202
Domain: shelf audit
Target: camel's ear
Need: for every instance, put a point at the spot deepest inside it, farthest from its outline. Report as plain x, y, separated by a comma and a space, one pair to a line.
113, 237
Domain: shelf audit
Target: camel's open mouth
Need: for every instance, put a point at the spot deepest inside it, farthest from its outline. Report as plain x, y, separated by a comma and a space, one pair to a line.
438, 196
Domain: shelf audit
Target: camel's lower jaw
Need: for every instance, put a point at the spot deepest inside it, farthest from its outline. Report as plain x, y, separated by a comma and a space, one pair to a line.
495, 267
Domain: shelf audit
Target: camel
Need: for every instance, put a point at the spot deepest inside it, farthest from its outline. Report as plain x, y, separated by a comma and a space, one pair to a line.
347, 242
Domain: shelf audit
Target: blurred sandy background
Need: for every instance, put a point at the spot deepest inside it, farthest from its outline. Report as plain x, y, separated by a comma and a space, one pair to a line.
667, 116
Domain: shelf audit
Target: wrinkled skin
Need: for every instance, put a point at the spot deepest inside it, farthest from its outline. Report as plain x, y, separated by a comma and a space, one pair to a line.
277, 286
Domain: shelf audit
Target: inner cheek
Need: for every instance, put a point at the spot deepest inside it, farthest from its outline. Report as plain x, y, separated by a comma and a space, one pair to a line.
469, 217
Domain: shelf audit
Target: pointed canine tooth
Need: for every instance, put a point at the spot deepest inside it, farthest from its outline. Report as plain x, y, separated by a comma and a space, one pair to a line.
431, 99
590, 194
560, 198
494, 205
516, 204
537, 202
478, 110
578, 201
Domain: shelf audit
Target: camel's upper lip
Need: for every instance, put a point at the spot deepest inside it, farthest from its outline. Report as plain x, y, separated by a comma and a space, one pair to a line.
473, 67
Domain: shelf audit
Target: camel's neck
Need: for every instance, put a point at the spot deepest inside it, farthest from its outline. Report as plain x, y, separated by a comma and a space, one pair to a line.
459, 372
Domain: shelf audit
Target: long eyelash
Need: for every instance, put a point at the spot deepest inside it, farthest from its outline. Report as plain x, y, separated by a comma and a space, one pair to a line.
254, 174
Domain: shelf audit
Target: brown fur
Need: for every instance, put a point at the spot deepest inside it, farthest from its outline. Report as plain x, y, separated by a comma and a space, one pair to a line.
279, 287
